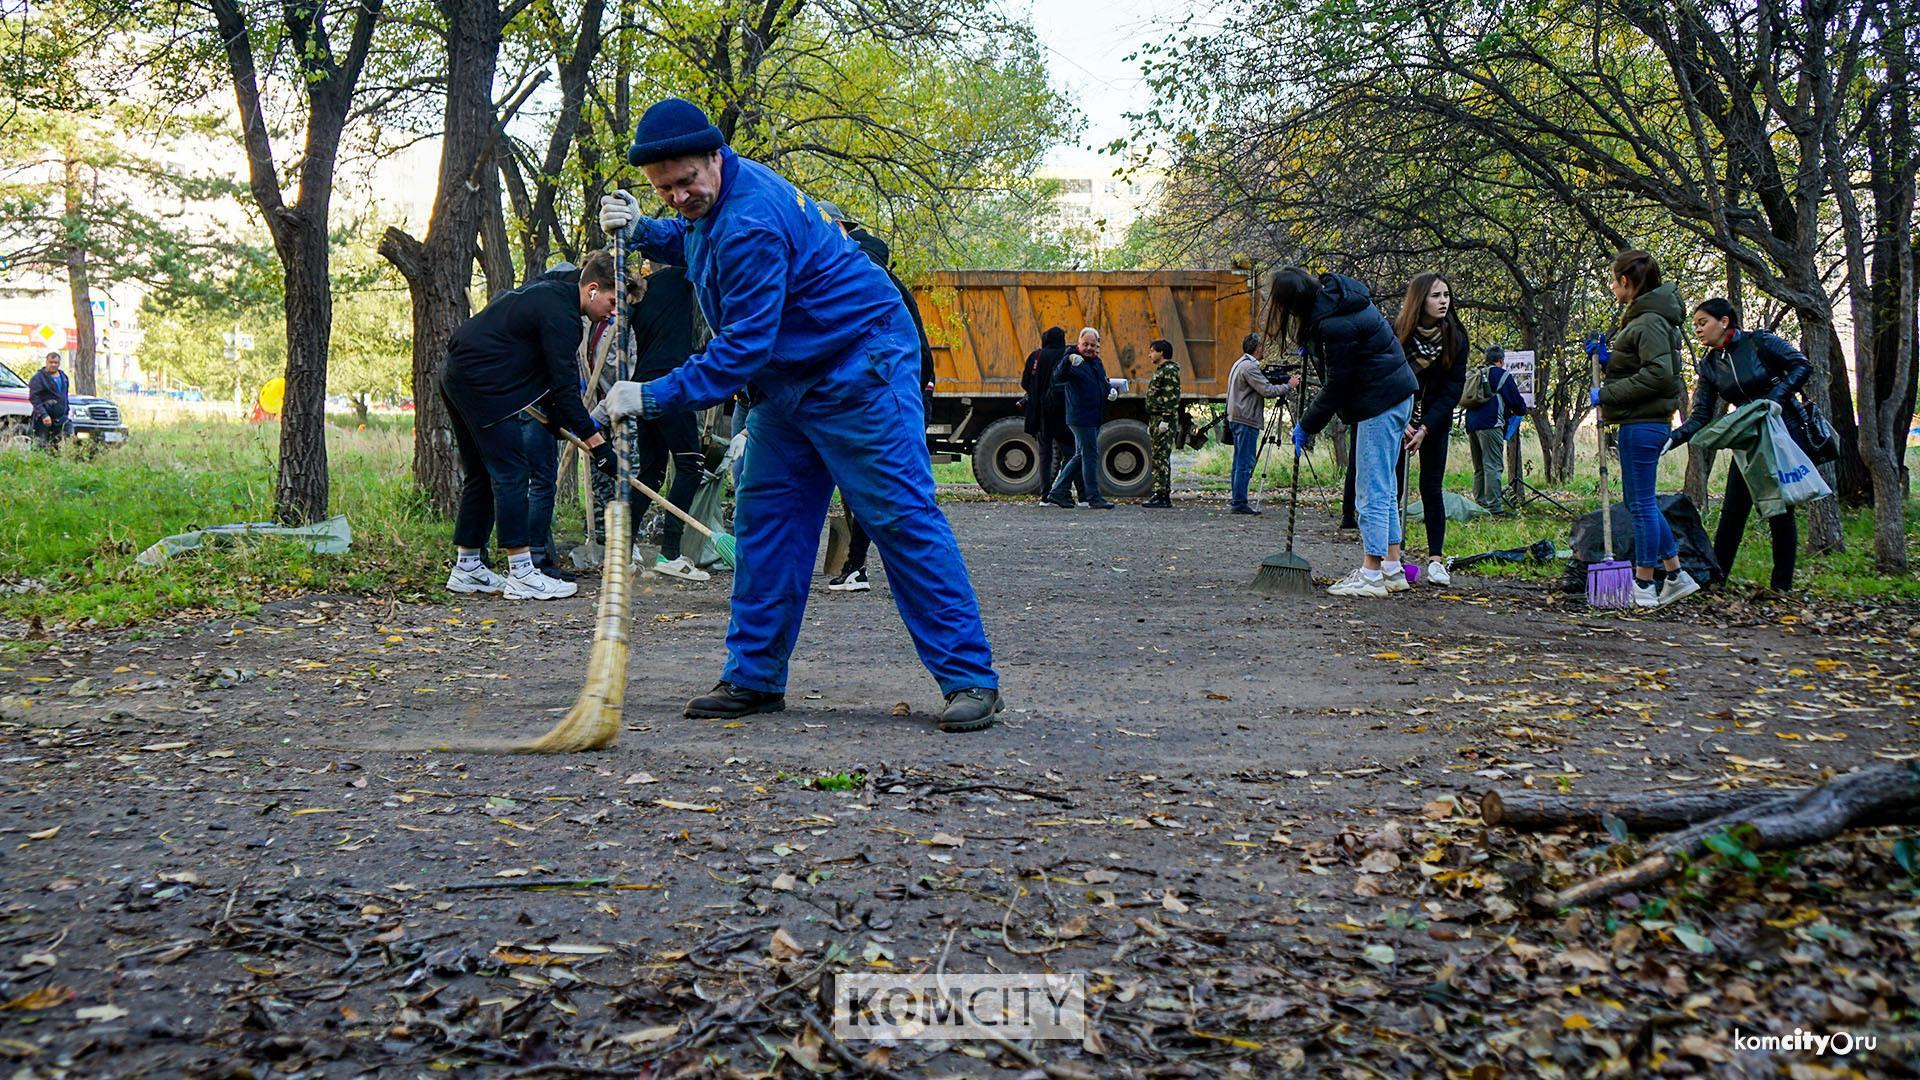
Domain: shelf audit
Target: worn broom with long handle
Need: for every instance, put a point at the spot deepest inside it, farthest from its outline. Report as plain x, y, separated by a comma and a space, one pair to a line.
594, 721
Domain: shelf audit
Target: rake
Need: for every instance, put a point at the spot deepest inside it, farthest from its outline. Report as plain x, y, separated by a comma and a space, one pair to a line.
723, 543
1609, 582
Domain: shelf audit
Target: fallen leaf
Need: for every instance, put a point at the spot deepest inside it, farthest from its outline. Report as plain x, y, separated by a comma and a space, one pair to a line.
672, 804
44, 997
900, 708
101, 1012
941, 839
647, 1035
785, 883
784, 947
44, 834
640, 778
157, 748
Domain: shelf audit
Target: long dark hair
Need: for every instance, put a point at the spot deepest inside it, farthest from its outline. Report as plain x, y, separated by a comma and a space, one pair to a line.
1719, 308
1414, 308
1290, 300
1640, 269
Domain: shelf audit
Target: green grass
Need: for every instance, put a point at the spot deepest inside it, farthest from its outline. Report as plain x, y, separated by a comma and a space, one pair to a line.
74, 524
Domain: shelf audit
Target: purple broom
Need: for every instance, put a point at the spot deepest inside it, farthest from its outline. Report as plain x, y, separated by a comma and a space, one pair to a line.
1609, 582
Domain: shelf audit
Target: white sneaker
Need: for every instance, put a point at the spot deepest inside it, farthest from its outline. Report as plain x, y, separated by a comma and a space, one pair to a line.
1436, 573
1645, 595
1357, 584
534, 585
851, 581
1678, 587
482, 580
1395, 581
679, 567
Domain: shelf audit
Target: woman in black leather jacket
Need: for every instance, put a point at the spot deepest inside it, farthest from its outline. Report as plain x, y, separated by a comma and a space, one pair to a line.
1743, 366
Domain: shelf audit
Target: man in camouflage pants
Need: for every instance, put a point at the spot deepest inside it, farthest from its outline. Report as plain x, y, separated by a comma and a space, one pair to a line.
1163, 421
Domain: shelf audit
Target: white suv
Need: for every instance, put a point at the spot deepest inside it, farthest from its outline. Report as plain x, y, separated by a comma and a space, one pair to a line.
14, 407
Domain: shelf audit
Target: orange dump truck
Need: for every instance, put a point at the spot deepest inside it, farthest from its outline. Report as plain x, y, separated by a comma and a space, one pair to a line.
983, 323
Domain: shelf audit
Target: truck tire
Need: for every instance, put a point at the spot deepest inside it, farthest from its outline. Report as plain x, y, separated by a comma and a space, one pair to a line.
1006, 460
1126, 467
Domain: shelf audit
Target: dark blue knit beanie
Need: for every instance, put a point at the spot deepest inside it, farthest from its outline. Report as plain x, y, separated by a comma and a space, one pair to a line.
673, 128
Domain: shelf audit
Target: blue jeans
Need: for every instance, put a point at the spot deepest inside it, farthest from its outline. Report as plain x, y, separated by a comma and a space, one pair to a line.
543, 468
859, 424
1246, 448
1376, 478
1086, 458
1653, 541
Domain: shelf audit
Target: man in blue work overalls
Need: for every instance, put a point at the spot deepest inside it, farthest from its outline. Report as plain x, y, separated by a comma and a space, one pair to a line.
801, 314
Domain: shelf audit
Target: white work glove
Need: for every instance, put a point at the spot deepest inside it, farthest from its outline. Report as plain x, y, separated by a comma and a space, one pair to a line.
1112, 393
617, 211
625, 400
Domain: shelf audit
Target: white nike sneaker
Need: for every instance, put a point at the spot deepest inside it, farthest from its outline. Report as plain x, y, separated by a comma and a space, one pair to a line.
851, 581
482, 580
679, 568
535, 585
1436, 573
1396, 581
1356, 584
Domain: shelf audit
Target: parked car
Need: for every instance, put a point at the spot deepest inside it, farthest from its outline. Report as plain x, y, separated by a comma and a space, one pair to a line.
14, 408
96, 419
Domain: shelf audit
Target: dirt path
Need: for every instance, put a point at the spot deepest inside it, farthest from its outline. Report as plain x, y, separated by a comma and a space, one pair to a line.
1193, 799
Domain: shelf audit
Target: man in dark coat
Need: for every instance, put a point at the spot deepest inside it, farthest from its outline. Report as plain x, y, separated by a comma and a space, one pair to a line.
663, 333
47, 395
518, 352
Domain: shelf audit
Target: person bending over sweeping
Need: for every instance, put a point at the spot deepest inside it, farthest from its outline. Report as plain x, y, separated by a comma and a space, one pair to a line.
1370, 386
829, 352
518, 352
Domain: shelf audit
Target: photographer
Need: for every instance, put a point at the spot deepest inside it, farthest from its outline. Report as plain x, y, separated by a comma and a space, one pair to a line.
1248, 390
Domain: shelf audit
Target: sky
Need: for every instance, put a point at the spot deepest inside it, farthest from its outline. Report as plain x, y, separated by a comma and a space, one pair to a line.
1087, 42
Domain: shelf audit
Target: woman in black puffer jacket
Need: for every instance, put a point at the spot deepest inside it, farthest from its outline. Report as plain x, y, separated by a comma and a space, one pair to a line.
1370, 386
1046, 413
1743, 366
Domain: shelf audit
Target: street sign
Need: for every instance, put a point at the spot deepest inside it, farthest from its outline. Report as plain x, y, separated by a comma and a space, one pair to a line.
46, 332
1520, 366
243, 341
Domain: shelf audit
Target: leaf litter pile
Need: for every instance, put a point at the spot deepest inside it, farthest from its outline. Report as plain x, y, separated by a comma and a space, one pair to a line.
192, 887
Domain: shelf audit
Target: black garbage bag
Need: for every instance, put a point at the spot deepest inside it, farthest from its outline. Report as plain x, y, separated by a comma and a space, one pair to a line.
1696, 547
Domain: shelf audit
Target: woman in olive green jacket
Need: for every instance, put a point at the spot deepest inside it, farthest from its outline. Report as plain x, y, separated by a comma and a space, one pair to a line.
1641, 392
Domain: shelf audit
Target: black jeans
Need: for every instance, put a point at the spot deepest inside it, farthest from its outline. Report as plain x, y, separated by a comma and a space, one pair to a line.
493, 495
1735, 507
857, 544
675, 436
1433, 496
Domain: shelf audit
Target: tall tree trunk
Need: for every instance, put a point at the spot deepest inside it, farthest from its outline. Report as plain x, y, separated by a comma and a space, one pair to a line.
439, 270
77, 283
496, 254
1829, 393
301, 489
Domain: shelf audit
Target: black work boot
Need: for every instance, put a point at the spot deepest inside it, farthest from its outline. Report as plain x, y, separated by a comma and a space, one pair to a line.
971, 710
729, 702
1161, 501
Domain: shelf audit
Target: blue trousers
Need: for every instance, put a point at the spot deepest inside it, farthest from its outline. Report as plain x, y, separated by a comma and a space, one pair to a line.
1086, 460
1376, 478
1653, 541
1246, 447
860, 425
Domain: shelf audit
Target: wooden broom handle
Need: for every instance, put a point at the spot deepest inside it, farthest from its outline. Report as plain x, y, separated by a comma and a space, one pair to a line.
581, 444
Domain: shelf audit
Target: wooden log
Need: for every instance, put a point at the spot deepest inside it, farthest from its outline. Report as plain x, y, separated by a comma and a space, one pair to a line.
1529, 811
1790, 821
1538, 810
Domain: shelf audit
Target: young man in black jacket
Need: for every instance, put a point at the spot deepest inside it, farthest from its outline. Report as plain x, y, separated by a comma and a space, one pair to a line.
518, 352
663, 333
